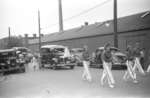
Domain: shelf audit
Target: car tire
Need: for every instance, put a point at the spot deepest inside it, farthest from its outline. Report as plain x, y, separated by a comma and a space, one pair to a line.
54, 67
22, 70
71, 67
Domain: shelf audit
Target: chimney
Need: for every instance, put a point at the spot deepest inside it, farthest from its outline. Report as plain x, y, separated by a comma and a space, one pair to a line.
86, 23
60, 16
34, 36
26, 35
26, 40
42, 35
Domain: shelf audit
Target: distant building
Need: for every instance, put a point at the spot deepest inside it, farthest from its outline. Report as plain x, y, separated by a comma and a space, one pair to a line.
131, 29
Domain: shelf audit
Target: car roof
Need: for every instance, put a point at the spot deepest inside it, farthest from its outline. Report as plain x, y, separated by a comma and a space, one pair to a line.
19, 48
53, 46
7, 50
114, 48
77, 49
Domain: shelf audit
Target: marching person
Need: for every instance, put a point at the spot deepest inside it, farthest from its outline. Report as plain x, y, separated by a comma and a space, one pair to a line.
142, 59
137, 57
129, 64
107, 65
148, 69
86, 73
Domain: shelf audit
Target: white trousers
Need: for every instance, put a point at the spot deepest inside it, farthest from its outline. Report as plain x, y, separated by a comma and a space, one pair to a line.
107, 74
148, 69
86, 73
129, 72
138, 66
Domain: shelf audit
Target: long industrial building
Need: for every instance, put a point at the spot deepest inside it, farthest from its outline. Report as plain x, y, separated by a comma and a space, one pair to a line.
131, 29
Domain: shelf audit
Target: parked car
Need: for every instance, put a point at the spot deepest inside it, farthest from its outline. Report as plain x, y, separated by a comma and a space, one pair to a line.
55, 56
11, 61
118, 62
77, 54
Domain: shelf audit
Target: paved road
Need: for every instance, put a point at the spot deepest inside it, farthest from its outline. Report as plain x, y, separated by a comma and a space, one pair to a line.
68, 84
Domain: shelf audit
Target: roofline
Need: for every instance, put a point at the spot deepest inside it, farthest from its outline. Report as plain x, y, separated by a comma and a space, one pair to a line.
127, 31
53, 46
7, 50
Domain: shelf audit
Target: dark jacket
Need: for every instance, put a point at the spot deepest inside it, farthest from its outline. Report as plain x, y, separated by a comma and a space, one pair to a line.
129, 54
106, 56
137, 52
85, 56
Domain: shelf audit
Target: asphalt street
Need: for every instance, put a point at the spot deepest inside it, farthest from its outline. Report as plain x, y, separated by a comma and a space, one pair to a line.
66, 83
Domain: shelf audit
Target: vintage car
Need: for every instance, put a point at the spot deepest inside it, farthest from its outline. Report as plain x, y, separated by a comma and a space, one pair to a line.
11, 61
118, 62
77, 54
56, 56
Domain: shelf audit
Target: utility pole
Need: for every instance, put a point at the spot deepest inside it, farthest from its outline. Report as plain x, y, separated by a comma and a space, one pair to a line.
39, 29
115, 25
9, 35
60, 16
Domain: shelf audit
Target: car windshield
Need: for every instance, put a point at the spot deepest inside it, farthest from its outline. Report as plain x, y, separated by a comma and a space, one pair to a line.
77, 50
59, 50
45, 50
114, 49
23, 50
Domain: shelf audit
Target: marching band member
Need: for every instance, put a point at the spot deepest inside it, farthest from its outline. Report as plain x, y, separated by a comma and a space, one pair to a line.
148, 69
129, 63
137, 56
107, 64
86, 73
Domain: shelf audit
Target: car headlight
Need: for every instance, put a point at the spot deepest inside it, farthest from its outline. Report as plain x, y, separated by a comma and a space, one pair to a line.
55, 59
8, 62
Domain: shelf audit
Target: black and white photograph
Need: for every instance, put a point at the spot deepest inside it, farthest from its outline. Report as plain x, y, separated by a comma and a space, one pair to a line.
74, 48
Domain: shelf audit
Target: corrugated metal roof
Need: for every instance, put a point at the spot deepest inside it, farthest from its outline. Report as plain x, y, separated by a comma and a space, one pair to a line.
127, 23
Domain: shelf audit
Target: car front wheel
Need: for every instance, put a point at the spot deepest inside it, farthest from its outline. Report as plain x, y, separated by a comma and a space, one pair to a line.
71, 67
54, 67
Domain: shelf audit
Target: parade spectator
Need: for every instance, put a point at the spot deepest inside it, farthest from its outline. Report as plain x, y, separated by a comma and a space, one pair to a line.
86, 73
107, 65
34, 62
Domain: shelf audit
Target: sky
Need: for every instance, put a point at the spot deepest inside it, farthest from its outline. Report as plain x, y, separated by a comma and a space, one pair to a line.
22, 15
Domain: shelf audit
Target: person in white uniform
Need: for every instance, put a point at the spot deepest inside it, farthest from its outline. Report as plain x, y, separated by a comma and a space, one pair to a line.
107, 65
137, 57
86, 73
148, 68
129, 63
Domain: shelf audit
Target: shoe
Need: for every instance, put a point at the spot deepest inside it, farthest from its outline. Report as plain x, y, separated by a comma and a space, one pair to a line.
135, 81
90, 80
111, 86
124, 79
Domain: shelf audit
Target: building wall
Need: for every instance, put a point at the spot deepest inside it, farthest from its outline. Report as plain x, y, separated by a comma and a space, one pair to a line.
125, 38
143, 37
91, 42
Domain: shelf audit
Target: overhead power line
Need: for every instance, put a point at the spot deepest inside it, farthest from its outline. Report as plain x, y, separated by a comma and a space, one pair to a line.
81, 13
